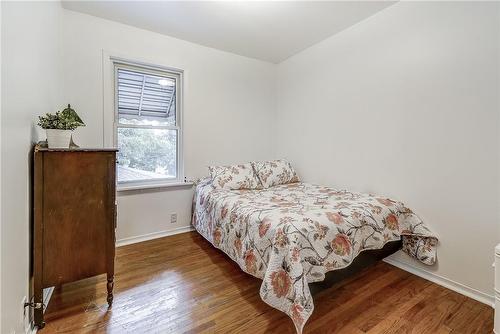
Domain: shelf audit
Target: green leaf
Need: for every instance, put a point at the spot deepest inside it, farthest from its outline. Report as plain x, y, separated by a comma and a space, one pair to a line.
68, 119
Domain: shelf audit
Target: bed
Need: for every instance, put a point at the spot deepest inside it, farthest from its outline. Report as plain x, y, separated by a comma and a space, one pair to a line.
290, 235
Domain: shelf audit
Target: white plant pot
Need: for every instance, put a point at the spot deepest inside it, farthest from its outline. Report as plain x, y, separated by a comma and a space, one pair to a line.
58, 138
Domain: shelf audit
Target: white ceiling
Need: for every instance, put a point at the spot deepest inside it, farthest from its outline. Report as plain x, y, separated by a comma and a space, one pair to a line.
267, 30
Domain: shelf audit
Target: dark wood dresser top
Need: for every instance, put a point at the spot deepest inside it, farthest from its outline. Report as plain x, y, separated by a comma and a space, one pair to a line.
42, 147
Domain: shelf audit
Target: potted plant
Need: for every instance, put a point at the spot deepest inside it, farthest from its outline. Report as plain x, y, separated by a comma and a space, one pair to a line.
59, 127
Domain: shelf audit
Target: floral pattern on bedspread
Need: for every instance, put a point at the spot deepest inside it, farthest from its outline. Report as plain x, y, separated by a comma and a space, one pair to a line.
272, 173
292, 234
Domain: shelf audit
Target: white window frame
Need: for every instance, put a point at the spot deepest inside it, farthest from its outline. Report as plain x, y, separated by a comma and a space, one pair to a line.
172, 73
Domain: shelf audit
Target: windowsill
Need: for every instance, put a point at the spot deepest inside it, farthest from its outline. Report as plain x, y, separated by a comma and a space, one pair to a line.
125, 187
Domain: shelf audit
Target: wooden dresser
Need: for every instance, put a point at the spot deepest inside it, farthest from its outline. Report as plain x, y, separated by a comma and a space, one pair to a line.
74, 217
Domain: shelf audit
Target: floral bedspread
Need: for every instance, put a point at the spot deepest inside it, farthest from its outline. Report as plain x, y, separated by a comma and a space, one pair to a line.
290, 235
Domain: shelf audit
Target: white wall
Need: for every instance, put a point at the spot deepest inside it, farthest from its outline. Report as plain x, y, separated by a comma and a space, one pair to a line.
406, 104
228, 108
0, 166
30, 86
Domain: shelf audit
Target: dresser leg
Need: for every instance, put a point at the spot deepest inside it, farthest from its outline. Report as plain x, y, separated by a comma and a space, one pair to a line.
40, 325
110, 289
38, 300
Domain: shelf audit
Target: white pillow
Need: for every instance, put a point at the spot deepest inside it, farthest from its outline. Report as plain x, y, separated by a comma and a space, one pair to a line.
235, 177
272, 173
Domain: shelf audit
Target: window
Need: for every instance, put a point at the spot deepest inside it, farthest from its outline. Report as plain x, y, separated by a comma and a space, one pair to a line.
147, 124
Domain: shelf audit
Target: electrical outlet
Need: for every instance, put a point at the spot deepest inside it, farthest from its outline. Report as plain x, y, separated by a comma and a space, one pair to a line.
173, 218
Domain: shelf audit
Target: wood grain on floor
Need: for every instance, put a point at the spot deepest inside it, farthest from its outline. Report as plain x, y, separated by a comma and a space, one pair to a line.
181, 284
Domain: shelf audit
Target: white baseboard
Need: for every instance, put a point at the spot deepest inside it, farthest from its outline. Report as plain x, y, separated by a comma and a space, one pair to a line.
151, 236
443, 281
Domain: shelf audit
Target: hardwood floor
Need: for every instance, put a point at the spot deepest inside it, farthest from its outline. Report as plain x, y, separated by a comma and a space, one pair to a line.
181, 284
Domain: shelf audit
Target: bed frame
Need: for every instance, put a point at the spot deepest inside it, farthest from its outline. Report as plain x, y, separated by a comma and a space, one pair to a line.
362, 261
